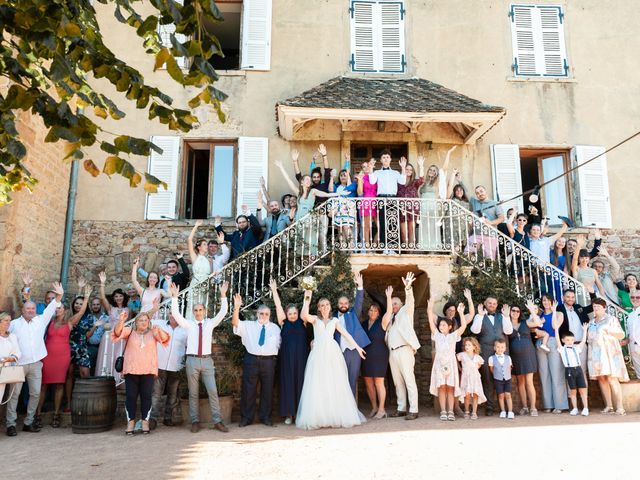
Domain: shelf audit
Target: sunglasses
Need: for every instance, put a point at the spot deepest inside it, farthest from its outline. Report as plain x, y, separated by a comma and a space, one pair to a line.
515, 310
522, 220
635, 297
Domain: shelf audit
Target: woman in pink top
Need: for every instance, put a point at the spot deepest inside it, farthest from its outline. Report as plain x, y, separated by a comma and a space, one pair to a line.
368, 212
140, 364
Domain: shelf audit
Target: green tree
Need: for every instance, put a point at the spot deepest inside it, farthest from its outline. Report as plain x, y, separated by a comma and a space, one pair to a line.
51, 51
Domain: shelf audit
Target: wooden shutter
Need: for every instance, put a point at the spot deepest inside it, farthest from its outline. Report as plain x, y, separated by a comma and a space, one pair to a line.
593, 186
362, 37
538, 41
392, 37
507, 179
162, 205
377, 36
256, 35
253, 162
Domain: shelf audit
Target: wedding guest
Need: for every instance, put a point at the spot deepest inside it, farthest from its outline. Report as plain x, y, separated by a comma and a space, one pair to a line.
151, 293
376, 362
247, 236
261, 339
170, 362
140, 365
492, 214
574, 316
605, 358
633, 328
80, 359
343, 207
445, 382
609, 278
456, 231
403, 344
523, 354
56, 364
200, 267
572, 247
450, 312
29, 329
27, 280
489, 325
570, 355
9, 353
218, 253
410, 211
500, 366
349, 319
541, 247
550, 368
199, 361
92, 325
434, 188
319, 181
470, 381
180, 278
582, 272
276, 220
368, 190
387, 180
109, 351
625, 291
293, 354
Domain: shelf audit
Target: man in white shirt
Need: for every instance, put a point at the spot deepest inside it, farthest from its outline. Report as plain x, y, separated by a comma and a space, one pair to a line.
170, 361
218, 253
199, 360
261, 339
633, 329
29, 329
403, 344
388, 181
489, 326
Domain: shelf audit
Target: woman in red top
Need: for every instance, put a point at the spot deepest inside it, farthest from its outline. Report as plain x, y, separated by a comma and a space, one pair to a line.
140, 364
58, 359
410, 210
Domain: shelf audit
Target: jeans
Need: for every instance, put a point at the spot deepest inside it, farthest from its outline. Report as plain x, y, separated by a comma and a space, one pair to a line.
142, 386
197, 367
33, 377
170, 381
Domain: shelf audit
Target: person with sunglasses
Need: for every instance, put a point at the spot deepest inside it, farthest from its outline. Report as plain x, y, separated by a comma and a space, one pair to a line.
633, 329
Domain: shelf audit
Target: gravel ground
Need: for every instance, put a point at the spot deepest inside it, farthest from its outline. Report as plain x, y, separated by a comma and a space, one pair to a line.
549, 447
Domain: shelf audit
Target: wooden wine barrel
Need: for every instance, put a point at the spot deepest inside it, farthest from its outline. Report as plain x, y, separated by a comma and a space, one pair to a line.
93, 405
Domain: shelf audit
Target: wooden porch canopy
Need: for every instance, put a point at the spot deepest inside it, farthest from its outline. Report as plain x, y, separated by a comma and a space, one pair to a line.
409, 101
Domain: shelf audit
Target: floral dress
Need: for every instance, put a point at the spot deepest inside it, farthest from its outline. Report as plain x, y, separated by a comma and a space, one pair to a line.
605, 353
445, 366
470, 380
78, 344
344, 207
411, 208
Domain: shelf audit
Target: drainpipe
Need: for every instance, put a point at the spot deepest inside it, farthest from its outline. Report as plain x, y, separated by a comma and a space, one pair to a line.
68, 224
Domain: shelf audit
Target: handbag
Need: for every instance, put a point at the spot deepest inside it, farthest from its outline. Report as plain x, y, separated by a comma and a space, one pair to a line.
11, 374
119, 365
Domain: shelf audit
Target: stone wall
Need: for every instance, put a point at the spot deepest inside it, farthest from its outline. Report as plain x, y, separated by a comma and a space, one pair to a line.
32, 226
624, 246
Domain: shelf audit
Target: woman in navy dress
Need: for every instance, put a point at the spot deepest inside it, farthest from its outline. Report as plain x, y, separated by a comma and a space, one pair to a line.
374, 366
293, 354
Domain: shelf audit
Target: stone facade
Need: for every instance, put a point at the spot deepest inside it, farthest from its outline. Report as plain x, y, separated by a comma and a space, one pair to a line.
32, 226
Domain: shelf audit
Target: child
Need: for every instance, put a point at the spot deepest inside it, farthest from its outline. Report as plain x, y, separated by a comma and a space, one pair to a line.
444, 375
500, 367
470, 380
573, 373
542, 335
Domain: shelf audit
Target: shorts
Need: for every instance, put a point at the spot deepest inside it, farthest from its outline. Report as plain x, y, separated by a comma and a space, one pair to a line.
575, 377
502, 386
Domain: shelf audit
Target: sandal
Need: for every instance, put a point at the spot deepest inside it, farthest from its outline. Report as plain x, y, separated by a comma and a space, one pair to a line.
145, 427
533, 412
55, 423
621, 412
607, 410
451, 417
466, 415
131, 425
474, 416
443, 415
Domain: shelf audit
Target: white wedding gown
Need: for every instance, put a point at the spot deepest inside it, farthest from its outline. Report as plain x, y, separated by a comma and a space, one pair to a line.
326, 400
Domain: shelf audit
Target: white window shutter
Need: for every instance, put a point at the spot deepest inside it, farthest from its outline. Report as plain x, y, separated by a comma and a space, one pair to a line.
392, 37
593, 186
537, 35
507, 179
253, 163
165, 32
256, 35
164, 166
362, 37
377, 36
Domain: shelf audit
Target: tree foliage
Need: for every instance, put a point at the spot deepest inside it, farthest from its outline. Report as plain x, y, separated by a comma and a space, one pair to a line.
52, 51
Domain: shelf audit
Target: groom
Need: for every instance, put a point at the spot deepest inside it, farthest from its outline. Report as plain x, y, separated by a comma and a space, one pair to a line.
349, 318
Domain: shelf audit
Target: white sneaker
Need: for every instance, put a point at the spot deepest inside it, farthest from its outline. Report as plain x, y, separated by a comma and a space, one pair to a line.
545, 348
511, 416
503, 414
573, 412
288, 421
585, 412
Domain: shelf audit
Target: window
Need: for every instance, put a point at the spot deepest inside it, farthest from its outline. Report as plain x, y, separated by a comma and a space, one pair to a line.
209, 175
583, 195
228, 34
377, 36
538, 41
206, 177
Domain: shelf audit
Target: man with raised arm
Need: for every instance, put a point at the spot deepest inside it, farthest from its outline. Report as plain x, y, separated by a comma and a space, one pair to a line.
199, 361
403, 344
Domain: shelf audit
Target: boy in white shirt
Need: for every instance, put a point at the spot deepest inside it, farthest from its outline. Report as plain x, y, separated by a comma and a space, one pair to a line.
570, 355
500, 366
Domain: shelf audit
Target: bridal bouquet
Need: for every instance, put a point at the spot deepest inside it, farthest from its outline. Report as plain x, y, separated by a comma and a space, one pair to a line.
308, 283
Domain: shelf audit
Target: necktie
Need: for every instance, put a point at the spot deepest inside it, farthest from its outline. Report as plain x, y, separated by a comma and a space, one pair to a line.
386, 168
393, 319
199, 339
263, 332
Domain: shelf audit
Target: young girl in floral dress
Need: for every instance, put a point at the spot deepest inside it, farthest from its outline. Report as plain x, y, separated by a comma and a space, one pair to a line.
470, 380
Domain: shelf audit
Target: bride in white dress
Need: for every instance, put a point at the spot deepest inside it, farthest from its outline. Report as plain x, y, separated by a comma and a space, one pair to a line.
326, 400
